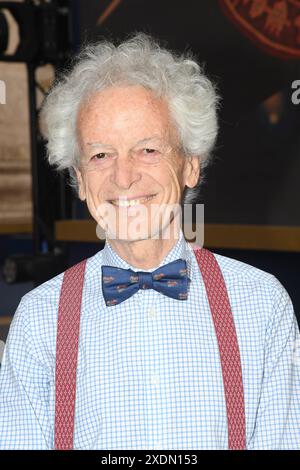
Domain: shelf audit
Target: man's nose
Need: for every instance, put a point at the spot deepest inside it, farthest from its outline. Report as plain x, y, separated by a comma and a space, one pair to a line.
125, 172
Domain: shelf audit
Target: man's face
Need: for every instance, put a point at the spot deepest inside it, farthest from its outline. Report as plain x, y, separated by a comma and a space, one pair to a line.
131, 165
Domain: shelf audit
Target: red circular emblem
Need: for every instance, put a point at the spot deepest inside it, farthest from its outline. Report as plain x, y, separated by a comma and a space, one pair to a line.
273, 24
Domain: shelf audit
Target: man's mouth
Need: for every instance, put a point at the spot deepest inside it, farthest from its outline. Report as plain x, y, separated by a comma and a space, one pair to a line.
124, 202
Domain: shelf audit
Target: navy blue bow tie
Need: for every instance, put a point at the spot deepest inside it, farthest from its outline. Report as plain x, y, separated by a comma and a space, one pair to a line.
119, 284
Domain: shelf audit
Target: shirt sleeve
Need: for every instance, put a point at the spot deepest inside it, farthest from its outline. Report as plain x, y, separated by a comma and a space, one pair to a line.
24, 389
278, 417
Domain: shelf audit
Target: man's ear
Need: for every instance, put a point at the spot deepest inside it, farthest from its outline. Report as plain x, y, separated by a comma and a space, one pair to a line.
81, 188
192, 171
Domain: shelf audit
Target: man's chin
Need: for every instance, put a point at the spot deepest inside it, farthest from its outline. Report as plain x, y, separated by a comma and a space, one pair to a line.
128, 238
157, 233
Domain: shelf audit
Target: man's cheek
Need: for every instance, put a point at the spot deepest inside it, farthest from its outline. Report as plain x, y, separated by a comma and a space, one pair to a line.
92, 204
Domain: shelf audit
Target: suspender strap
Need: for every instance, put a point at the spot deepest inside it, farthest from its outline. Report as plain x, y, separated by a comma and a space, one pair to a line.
66, 355
67, 351
228, 347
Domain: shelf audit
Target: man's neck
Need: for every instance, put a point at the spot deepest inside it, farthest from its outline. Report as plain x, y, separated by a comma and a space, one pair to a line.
144, 254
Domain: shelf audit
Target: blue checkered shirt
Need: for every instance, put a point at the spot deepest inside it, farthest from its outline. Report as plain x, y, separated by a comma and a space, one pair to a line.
149, 373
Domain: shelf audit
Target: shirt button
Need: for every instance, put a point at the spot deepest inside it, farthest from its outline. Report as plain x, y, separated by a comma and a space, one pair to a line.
152, 313
154, 379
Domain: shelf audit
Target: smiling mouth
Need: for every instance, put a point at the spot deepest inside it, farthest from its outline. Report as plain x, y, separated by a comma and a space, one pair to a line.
131, 202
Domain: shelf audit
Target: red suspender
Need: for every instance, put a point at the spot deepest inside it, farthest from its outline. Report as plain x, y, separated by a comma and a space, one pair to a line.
228, 347
67, 351
66, 355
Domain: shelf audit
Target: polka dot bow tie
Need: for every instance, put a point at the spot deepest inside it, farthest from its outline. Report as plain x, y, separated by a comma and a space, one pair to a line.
119, 284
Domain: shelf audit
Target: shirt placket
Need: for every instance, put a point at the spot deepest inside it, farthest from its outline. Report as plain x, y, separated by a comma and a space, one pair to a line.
153, 377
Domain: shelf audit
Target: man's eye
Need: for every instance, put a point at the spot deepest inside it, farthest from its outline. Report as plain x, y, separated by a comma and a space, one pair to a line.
99, 156
147, 151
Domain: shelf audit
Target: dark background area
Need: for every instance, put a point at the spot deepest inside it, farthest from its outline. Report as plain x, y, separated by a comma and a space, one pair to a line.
256, 171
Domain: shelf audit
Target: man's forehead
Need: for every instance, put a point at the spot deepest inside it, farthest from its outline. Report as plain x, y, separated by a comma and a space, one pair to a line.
120, 106
125, 113
153, 139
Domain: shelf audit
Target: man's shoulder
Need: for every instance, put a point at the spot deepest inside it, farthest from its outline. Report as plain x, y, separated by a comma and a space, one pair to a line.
234, 268
242, 277
51, 289
47, 292
38, 309
260, 288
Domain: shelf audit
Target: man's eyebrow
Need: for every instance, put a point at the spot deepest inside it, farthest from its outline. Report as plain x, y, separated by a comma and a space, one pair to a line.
140, 142
97, 144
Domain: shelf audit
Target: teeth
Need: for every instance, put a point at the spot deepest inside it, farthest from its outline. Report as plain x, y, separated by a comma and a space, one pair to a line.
132, 202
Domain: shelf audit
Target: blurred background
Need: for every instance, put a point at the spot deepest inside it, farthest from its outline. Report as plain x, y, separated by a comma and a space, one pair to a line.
249, 48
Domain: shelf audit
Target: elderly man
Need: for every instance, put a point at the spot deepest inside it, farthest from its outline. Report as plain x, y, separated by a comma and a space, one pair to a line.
152, 343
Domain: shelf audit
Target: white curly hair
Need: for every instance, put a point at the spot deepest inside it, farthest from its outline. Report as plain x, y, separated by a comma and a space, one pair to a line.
140, 60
